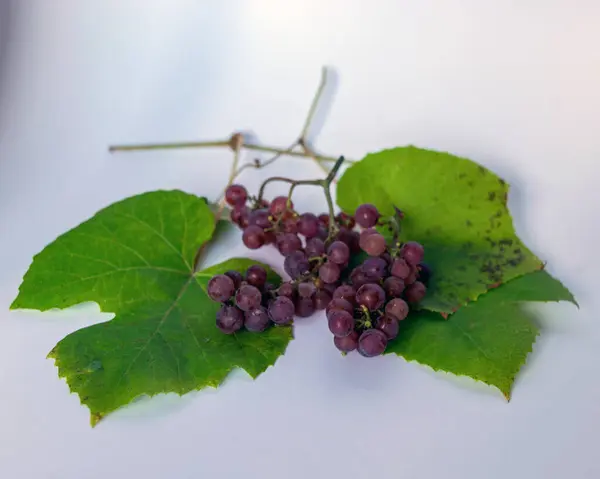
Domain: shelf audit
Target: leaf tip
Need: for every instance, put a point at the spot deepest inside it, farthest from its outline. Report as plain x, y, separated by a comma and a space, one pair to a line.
95, 418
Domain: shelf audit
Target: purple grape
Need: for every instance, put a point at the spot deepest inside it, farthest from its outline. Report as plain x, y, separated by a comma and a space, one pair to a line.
389, 325
322, 233
415, 292
341, 323
322, 299
256, 276
329, 287
270, 237
347, 343
339, 305
260, 218
324, 219
371, 296
287, 243
236, 276
288, 290
397, 308
229, 319
372, 342
329, 272
290, 225
366, 215
296, 264
345, 291
314, 247
253, 237
375, 268
281, 310
248, 297
306, 289
239, 216
279, 206
412, 277
412, 252
236, 195
393, 287
256, 320
305, 307
373, 244
220, 288
424, 273
308, 225
338, 252
358, 277
387, 257
400, 268
350, 238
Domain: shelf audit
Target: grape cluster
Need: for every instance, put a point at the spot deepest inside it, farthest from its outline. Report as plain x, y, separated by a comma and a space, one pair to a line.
363, 305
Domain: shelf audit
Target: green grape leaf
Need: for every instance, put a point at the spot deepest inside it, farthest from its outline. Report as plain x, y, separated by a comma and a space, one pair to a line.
487, 340
135, 259
455, 208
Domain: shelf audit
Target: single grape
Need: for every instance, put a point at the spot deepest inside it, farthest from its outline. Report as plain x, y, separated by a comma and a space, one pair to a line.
329, 272
324, 219
279, 206
229, 319
306, 289
314, 247
308, 225
372, 342
287, 243
358, 277
305, 307
296, 264
288, 290
256, 276
400, 268
290, 225
253, 237
371, 296
260, 218
345, 220
345, 291
338, 252
373, 244
375, 268
415, 292
389, 325
339, 304
393, 287
424, 273
412, 252
239, 215
236, 276
397, 308
366, 215
347, 343
322, 299
248, 297
220, 288
341, 323
236, 195
281, 310
256, 320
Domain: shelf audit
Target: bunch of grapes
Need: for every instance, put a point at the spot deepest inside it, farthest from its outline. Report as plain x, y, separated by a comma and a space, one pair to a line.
363, 306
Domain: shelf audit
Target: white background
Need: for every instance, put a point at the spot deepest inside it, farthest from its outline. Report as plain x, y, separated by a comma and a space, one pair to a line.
514, 85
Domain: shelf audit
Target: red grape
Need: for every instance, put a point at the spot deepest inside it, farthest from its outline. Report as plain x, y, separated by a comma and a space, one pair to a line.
397, 308
372, 342
329, 272
347, 343
236, 195
220, 288
253, 237
229, 319
341, 323
366, 215
371, 296
415, 292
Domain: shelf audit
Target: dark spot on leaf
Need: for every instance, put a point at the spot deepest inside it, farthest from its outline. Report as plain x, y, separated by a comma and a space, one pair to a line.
491, 195
517, 251
501, 181
461, 267
507, 242
499, 214
481, 169
461, 175
471, 183
468, 223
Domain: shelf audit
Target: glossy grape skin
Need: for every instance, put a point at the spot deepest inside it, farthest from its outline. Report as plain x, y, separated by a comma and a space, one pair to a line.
256, 320
412, 252
393, 287
412, 277
341, 323
322, 299
339, 305
373, 244
305, 307
236, 276
338, 252
375, 268
248, 297
279, 206
253, 237
372, 342
287, 243
306, 289
236, 195
314, 247
371, 296
256, 275
415, 292
366, 215
296, 264
288, 290
281, 310
308, 225
400, 268
220, 288
229, 319
347, 343
389, 325
260, 218
358, 277
347, 292
329, 272
240, 215
397, 308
